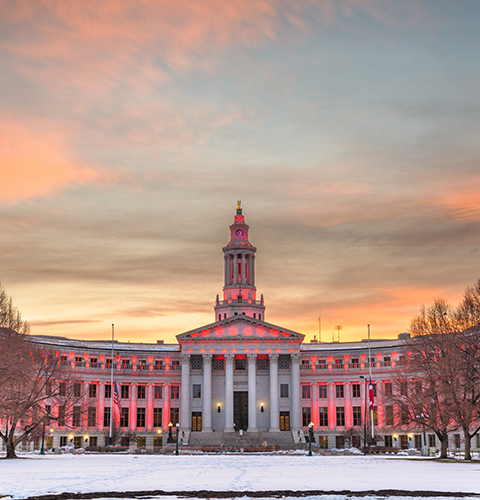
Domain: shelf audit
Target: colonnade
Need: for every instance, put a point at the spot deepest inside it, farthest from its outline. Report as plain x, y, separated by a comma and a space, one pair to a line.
253, 404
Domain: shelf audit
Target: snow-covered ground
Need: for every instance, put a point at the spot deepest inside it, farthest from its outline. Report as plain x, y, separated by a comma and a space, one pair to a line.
39, 475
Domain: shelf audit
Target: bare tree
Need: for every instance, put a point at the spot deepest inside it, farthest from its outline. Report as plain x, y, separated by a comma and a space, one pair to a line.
10, 316
36, 387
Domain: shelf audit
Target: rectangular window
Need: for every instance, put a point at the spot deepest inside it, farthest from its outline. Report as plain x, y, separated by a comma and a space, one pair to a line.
140, 417
388, 441
355, 390
375, 415
142, 364
322, 364
157, 417
141, 441
418, 441
48, 388
77, 390
157, 392
124, 418
338, 364
404, 416
388, 389
106, 416
431, 441
94, 441
61, 415
76, 416
108, 363
196, 362
174, 416
108, 391
357, 415
387, 361
125, 394
240, 363
418, 387
323, 417
306, 392
340, 411
322, 392
403, 388
92, 391
63, 441
159, 364
284, 390
62, 389
306, 416
355, 362
340, 442
48, 413
339, 391
389, 415
141, 392
92, 416
174, 392
126, 364
197, 391
284, 362
93, 362
217, 363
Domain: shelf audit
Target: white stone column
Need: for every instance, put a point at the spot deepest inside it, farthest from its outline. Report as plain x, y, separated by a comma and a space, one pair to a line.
235, 269
274, 415
295, 392
185, 392
252, 391
229, 359
314, 396
207, 393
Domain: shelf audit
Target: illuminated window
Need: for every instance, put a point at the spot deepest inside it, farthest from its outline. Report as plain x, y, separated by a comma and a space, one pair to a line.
387, 361
157, 392
389, 415
125, 391
305, 391
322, 391
108, 391
158, 364
174, 392
141, 392
355, 363
141, 440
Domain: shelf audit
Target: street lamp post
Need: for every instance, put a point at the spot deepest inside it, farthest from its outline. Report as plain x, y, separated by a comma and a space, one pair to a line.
310, 438
365, 418
170, 435
42, 449
176, 446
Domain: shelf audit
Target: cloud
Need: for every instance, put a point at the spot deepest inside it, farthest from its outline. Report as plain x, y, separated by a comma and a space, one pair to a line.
35, 163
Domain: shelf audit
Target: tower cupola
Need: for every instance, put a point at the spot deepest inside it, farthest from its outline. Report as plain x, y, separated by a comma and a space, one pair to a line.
239, 290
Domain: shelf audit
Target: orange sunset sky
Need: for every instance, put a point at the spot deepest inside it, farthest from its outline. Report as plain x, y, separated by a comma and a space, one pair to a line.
350, 130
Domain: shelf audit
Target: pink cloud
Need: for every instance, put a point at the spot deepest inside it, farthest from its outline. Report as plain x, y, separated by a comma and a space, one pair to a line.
35, 163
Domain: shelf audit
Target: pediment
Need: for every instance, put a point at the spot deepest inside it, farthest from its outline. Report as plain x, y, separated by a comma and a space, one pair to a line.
241, 329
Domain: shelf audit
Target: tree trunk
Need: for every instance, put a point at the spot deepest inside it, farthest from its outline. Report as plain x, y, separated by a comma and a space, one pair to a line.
468, 454
444, 442
10, 448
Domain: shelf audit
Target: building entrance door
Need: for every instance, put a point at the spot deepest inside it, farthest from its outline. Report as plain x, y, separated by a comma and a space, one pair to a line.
240, 410
196, 421
284, 420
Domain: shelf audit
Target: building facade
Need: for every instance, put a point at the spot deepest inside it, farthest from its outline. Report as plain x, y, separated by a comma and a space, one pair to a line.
239, 377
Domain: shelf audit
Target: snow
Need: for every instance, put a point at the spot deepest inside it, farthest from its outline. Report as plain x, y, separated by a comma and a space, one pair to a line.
39, 475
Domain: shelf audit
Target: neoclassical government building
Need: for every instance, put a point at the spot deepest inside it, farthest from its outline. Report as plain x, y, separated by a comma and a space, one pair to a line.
239, 379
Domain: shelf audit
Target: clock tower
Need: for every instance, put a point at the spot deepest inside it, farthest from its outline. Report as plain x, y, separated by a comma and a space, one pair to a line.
239, 291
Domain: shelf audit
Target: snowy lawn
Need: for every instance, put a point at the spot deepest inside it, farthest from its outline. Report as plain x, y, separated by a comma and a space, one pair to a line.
36, 475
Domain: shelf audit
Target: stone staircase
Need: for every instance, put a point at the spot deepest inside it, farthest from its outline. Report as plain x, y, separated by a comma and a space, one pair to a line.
214, 440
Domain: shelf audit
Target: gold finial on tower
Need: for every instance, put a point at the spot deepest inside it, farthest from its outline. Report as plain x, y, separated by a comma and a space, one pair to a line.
239, 207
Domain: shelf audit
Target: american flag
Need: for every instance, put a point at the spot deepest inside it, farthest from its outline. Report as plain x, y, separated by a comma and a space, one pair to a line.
370, 393
117, 403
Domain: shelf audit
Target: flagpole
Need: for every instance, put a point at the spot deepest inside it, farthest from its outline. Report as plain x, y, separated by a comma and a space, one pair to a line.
110, 441
371, 384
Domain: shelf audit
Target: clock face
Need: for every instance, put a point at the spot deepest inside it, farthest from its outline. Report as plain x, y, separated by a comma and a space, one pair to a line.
238, 233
